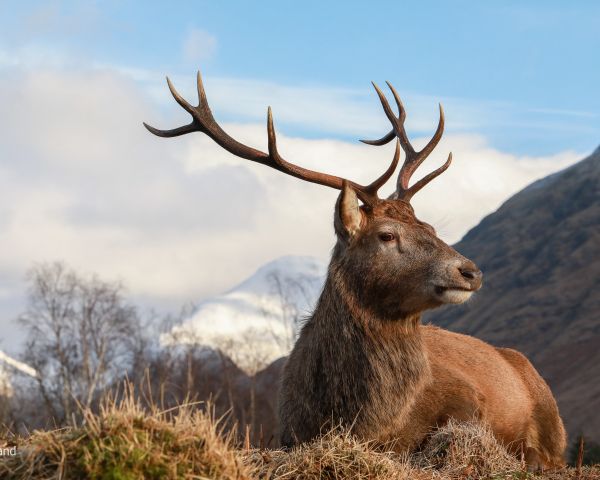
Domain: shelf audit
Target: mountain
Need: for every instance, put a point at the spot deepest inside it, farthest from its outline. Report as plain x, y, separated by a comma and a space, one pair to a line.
540, 254
260, 316
8, 366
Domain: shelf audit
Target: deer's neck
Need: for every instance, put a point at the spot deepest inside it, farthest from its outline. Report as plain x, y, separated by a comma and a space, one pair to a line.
367, 368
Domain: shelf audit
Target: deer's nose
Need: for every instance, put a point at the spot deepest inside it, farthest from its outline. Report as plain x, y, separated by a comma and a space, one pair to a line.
472, 274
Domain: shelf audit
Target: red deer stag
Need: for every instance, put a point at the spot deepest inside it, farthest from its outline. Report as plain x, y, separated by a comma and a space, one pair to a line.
363, 358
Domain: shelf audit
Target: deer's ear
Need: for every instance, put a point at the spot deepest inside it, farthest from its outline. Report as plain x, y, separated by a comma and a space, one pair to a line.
348, 217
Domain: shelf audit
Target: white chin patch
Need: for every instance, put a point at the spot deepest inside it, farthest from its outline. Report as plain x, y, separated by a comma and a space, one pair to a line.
452, 295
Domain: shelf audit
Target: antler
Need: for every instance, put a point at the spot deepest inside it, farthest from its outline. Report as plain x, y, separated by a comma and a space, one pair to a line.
413, 158
203, 121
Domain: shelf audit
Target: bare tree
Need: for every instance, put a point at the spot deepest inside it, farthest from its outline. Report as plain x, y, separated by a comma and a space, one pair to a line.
289, 293
177, 342
82, 335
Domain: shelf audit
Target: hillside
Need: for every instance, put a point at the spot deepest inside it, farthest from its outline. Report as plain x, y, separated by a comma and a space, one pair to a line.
540, 254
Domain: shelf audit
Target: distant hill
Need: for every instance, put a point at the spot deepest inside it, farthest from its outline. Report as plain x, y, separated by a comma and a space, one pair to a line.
540, 254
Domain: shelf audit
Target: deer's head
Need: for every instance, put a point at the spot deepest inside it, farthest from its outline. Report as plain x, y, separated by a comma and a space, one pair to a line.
392, 263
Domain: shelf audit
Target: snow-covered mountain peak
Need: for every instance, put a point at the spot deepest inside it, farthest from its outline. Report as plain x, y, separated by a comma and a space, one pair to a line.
8, 366
291, 267
256, 321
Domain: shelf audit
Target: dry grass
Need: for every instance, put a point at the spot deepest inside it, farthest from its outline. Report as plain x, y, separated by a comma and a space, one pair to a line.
335, 455
125, 442
456, 451
460, 449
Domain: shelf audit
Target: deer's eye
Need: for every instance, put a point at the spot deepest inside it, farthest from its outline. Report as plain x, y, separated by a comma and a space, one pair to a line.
386, 236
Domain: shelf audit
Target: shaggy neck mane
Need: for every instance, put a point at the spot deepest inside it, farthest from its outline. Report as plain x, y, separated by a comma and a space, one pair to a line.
363, 362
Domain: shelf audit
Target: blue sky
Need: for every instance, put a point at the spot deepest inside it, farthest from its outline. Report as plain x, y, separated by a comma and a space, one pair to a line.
527, 73
179, 220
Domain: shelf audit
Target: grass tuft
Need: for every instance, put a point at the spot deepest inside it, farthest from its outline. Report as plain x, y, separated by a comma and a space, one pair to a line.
466, 449
335, 455
125, 441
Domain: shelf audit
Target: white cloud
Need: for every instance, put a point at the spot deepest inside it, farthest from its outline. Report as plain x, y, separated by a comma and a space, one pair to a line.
82, 181
199, 45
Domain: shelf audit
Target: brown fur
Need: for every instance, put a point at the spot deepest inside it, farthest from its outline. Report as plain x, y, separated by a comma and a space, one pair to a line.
364, 360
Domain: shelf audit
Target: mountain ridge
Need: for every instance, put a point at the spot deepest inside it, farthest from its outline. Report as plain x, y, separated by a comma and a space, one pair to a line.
540, 254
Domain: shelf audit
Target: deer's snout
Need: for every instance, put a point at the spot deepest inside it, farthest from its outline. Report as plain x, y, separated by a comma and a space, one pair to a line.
471, 274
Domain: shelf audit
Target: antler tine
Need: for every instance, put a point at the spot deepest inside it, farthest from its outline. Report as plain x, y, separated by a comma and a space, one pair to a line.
179, 99
408, 194
174, 132
367, 193
191, 127
413, 158
382, 141
201, 93
390, 114
272, 138
203, 121
397, 122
